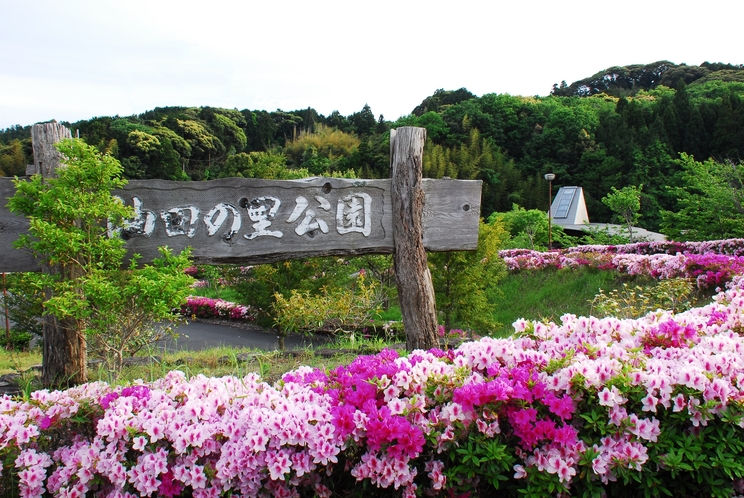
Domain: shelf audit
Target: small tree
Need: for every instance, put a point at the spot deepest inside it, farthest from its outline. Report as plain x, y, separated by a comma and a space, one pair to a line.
464, 281
68, 234
133, 308
626, 202
529, 229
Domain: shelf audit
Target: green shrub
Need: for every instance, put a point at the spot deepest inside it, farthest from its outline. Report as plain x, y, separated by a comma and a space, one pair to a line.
23, 300
674, 294
17, 340
331, 310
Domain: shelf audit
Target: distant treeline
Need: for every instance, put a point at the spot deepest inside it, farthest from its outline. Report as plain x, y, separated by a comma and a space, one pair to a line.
622, 126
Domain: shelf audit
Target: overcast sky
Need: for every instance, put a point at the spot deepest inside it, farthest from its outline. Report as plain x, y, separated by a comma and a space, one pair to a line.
78, 59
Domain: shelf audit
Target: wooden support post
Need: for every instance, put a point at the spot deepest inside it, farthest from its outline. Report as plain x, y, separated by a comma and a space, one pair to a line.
415, 287
64, 358
46, 156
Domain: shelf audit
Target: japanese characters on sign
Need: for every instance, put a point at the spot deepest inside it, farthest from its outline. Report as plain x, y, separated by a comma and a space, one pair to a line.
309, 218
256, 221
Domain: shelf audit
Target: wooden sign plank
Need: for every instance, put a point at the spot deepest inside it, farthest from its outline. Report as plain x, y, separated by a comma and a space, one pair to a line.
253, 221
11, 226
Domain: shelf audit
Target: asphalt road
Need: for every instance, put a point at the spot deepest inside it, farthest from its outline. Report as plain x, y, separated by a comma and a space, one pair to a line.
197, 335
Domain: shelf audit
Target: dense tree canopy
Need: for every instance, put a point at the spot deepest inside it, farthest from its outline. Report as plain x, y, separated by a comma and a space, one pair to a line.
620, 127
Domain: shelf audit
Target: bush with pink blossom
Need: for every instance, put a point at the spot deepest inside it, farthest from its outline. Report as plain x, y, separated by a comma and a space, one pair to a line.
584, 407
722, 261
210, 308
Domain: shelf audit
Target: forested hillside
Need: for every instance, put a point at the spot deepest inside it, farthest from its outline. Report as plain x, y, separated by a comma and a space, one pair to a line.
622, 126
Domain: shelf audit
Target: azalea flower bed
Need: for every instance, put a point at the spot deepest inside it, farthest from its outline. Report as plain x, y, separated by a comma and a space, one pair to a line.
584, 407
723, 260
206, 307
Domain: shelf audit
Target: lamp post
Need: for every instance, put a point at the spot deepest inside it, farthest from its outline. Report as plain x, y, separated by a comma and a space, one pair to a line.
550, 177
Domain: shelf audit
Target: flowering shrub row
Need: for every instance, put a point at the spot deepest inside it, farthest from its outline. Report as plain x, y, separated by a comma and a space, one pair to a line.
585, 407
732, 247
205, 307
709, 270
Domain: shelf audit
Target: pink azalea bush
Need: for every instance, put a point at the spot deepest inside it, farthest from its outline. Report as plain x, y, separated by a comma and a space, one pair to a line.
661, 260
206, 307
731, 247
584, 407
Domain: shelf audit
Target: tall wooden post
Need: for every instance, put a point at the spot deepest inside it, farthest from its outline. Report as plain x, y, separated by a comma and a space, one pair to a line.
415, 287
64, 361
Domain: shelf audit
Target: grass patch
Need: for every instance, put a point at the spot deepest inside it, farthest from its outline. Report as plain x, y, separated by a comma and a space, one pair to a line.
392, 314
18, 361
213, 362
549, 294
271, 365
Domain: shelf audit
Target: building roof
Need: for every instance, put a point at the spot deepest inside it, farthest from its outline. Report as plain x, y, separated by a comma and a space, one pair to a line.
569, 207
569, 211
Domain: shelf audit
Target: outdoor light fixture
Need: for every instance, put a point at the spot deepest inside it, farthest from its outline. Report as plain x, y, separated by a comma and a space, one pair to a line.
550, 177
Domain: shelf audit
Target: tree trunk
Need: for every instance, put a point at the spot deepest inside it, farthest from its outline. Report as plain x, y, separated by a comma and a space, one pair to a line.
415, 288
64, 360
46, 155
280, 339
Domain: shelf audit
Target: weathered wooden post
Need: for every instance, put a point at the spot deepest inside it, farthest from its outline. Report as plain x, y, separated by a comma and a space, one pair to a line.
413, 278
64, 349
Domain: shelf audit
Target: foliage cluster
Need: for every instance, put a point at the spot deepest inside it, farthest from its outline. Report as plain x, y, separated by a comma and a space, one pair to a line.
529, 229
674, 294
23, 302
339, 310
92, 294
630, 80
466, 283
605, 139
710, 201
586, 407
260, 285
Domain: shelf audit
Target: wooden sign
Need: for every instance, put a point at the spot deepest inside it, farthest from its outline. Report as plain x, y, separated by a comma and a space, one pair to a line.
252, 221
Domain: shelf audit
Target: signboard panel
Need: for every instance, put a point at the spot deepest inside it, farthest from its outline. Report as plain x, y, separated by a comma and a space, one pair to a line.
251, 221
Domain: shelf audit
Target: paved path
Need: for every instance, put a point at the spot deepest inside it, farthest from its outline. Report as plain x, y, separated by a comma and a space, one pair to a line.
639, 234
199, 335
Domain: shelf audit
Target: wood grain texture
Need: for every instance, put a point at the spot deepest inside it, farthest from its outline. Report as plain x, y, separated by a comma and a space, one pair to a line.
450, 219
412, 275
11, 226
46, 155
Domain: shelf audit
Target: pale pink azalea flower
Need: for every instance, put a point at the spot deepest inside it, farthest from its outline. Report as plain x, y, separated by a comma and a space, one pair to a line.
519, 472
649, 403
453, 412
610, 397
